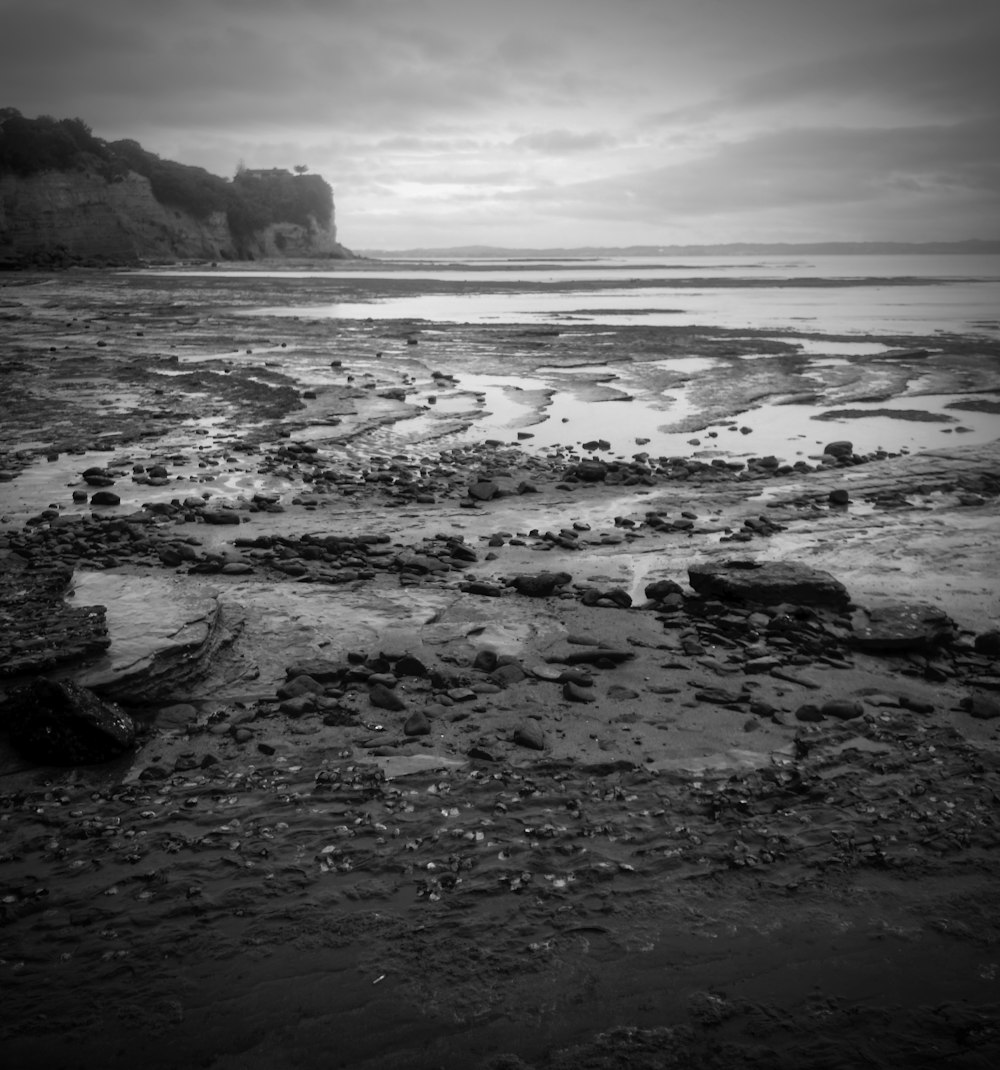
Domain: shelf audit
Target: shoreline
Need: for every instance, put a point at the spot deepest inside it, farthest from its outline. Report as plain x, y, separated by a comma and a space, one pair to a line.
567, 803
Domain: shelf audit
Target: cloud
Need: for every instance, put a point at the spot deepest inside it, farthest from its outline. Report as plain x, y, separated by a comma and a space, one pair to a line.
953, 77
795, 169
564, 142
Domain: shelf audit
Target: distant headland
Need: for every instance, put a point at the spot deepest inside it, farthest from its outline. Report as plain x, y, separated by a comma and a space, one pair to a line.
70, 198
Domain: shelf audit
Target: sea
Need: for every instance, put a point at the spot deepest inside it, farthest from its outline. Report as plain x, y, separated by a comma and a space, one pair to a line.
830, 294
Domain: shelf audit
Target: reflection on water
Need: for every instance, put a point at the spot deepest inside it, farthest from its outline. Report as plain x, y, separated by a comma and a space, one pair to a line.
862, 294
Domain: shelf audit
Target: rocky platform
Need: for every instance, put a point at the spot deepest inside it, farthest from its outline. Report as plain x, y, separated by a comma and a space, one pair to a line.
668, 762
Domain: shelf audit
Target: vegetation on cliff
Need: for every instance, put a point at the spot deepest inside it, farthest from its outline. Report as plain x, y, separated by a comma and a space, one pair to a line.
251, 201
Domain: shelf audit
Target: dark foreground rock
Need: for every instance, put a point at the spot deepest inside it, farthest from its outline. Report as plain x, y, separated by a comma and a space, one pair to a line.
768, 582
64, 724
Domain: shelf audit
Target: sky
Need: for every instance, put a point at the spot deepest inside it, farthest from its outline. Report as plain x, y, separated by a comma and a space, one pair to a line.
541, 123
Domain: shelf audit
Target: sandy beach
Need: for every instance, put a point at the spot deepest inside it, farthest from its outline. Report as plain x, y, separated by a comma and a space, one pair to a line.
504, 695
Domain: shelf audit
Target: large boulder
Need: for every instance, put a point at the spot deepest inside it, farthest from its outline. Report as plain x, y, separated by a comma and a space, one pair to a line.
901, 626
589, 471
65, 724
541, 584
768, 583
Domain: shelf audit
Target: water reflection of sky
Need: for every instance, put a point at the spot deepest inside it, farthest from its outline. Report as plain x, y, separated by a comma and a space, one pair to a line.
961, 307
555, 405
507, 409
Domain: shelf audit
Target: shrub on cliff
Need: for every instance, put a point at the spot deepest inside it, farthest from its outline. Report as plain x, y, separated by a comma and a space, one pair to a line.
29, 146
191, 189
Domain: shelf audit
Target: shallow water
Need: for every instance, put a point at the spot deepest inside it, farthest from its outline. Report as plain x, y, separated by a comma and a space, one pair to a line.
830, 294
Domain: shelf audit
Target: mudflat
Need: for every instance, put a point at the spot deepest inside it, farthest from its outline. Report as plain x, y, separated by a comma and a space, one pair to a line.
495, 704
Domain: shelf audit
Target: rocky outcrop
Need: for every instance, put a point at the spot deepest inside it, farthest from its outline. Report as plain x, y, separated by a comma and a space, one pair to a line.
64, 724
65, 217
39, 629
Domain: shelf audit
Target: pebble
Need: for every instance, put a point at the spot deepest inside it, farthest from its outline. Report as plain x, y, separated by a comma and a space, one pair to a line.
529, 735
383, 698
575, 692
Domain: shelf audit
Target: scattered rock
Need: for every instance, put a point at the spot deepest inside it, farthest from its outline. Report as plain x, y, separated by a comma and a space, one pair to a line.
576, 692
658, 590
529, 735
843, 709
982, 707
381, 696
417, 724
105, 497
485, 490
540, 585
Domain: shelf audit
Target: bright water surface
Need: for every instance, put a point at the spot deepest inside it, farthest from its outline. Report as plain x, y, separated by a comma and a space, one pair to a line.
735, 292
850, 296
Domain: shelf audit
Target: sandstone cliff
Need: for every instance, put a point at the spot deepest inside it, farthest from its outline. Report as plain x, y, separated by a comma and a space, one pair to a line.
83, 217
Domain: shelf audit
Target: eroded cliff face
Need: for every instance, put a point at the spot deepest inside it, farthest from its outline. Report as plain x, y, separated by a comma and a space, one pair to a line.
80, 217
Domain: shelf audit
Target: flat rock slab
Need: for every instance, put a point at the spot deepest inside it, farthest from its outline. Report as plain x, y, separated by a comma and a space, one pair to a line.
901, 626
768, 583
155, 626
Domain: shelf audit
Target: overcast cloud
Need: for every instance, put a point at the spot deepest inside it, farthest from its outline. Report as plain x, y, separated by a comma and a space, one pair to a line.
552, 122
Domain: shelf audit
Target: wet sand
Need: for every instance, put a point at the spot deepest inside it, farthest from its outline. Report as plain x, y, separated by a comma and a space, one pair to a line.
679, 871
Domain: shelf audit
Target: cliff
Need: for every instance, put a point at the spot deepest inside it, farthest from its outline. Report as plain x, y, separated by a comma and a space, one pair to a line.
67, 197
78, 217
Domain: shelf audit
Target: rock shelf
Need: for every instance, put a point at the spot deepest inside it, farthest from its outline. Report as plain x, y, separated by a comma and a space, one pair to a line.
671, 758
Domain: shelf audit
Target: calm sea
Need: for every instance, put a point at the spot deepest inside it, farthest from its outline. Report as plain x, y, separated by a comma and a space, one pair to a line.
914, 294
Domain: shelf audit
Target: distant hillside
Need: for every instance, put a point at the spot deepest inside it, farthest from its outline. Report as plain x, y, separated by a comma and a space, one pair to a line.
879, 248
68, 197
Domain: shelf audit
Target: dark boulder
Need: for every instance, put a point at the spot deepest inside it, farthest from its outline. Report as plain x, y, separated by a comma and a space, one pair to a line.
768, 583
417, 724
541, 584
409, 665
105, 497
660, 589
384, 698
220, 516
983, 707
485, 490
529, 735
589, 471
65, 724
324, 672
98, 477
